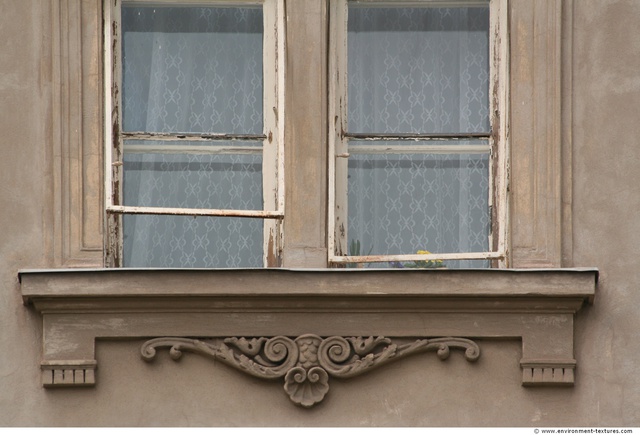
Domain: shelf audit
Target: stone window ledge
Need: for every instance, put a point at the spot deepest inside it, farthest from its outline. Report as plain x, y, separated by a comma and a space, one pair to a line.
383, 314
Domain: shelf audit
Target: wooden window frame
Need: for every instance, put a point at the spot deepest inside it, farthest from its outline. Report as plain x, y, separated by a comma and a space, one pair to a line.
272, 136
498, 137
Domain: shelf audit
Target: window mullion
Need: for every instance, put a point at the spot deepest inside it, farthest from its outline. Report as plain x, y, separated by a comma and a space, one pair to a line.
338, 166
112, 139
499, 92
273, 142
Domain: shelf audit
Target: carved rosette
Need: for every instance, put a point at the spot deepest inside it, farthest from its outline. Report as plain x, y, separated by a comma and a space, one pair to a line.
306, 362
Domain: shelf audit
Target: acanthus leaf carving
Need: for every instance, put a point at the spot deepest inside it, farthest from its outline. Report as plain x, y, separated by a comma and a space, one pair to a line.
306, 362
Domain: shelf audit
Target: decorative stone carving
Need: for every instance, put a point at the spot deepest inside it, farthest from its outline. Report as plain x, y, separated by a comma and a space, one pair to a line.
80, 307
68, 374
306, 362
551, 373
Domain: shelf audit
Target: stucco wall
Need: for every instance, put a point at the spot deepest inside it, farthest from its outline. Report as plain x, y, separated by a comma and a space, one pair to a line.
603, 128
25, 97
606, 176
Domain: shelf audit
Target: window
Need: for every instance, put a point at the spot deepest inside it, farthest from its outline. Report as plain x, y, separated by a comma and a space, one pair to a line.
195, 170
418, 139
105, 301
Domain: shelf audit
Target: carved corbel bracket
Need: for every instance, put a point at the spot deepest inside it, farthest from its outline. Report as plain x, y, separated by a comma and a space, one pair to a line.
548, 373
307, 362
68, 373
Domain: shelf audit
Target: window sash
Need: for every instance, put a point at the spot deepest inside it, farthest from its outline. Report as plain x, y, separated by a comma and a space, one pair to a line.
339, 136
272, 138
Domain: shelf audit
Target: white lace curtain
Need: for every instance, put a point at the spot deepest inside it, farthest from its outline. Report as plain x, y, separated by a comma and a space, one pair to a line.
199, 69
418, 70
192, 70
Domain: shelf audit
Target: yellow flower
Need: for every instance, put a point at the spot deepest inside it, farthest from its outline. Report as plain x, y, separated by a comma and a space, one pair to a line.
427, 263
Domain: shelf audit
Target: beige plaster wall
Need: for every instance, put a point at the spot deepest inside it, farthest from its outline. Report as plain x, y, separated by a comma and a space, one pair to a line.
606, 169
25, 109
605, 60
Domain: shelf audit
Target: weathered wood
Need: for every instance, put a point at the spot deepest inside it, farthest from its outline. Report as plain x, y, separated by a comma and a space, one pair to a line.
125, 209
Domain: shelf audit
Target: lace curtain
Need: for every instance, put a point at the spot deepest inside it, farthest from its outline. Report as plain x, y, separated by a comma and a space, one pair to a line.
418, 70
199, 69
192, 70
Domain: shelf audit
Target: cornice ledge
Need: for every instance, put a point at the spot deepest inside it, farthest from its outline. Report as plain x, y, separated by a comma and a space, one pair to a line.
535, 306
105, 288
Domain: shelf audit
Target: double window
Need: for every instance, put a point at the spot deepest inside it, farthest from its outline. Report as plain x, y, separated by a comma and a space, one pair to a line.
417, 157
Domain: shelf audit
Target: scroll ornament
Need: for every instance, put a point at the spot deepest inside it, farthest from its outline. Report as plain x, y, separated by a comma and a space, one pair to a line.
306, 362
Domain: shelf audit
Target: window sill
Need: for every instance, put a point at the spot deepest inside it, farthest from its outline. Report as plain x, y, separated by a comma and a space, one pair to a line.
405, 306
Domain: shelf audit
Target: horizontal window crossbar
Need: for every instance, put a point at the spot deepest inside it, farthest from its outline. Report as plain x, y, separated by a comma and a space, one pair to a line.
417, 136
191, 136
167, 211
416, 257
190, 149
417, 149
210, 3
419, 4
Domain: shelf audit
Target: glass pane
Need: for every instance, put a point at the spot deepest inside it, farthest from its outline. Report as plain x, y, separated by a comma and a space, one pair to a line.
405, 203
418, 70
206, 175
192, 69
186, 241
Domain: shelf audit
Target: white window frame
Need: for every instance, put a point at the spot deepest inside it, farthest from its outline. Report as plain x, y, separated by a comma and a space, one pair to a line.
272, 136
498, 140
